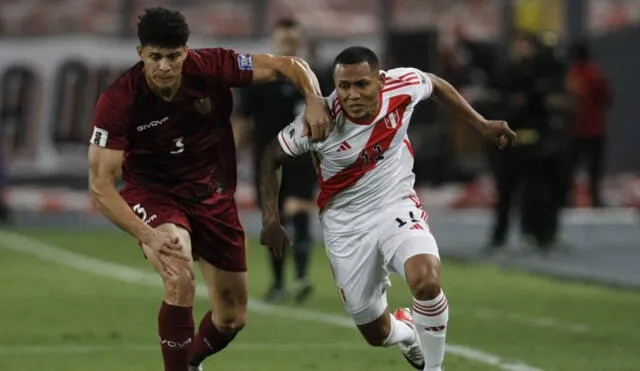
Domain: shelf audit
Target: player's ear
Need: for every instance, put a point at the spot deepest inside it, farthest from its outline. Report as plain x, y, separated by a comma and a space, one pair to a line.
381, 77
139, 50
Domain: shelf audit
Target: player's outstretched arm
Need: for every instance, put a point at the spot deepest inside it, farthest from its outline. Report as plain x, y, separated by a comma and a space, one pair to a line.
495, 131
273, 235
268, 68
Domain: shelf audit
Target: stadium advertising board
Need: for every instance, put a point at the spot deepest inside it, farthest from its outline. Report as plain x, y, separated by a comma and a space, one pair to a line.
48, 89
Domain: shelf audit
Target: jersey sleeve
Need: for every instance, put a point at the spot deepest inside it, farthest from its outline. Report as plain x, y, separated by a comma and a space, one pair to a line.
417, 81
292, 141
229, 67
109, 124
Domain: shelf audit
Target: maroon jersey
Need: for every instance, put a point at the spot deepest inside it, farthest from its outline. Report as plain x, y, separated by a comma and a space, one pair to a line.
184, 147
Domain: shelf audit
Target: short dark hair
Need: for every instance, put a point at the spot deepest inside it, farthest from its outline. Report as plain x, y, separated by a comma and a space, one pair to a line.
357, 54
163, 28
286, 23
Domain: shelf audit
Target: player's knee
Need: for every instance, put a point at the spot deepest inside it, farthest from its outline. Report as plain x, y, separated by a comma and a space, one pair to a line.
425, 289
180, 287
423, 276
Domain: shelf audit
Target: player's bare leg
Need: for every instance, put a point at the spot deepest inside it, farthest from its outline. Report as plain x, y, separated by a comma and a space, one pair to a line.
228, 295
430, 307
175, 319
397, 329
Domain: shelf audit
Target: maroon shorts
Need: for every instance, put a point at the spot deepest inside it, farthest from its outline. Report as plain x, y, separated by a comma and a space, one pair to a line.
216, 233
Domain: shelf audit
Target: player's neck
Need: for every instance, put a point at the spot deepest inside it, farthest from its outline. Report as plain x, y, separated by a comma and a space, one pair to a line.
167, 93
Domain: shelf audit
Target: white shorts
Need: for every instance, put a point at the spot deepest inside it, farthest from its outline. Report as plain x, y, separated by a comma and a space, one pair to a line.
361, 260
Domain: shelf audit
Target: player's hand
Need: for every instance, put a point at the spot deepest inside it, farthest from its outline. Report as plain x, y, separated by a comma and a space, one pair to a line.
166, 253
167, 244
318, 123
499, 133
274, 236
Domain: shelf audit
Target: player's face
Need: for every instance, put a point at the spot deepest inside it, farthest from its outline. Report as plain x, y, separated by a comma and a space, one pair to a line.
163, 66
287, 41
358, 86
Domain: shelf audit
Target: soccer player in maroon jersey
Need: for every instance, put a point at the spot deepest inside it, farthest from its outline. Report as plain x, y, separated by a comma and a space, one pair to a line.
165, 125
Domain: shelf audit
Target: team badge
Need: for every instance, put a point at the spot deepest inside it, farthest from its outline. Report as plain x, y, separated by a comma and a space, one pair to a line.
245, 62
392, 120
203, 105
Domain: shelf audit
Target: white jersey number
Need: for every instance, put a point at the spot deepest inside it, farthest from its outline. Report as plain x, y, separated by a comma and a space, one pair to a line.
179, 146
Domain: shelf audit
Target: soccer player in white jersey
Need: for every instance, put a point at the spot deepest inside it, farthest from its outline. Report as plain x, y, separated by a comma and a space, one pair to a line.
371, 218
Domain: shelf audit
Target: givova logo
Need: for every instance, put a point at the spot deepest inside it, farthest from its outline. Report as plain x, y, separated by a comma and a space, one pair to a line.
153, 124
174, 344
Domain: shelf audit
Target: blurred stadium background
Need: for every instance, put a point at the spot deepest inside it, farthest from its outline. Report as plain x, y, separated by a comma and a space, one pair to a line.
57, 55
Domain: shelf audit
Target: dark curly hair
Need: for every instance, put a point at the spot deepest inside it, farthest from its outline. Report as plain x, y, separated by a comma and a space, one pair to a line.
163, 28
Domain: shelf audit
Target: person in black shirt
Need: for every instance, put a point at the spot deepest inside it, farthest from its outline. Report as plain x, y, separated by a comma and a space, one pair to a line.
522, 173
262, 111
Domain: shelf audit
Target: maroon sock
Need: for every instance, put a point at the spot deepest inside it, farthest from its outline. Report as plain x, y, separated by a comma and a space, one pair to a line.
209, 340
175, 327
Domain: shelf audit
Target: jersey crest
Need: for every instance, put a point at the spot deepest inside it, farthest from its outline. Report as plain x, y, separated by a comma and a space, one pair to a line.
203, 106
392, 120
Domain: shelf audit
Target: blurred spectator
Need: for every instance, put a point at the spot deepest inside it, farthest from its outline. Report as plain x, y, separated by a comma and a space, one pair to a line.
521, 170
592, 98
554, 153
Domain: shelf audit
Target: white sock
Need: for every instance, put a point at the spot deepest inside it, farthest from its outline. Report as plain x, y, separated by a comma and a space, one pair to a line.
400, 333
430, 318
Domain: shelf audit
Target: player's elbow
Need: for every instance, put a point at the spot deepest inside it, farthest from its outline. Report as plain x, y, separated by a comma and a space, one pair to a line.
99, 188
288, 66
439, 86
95, 191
